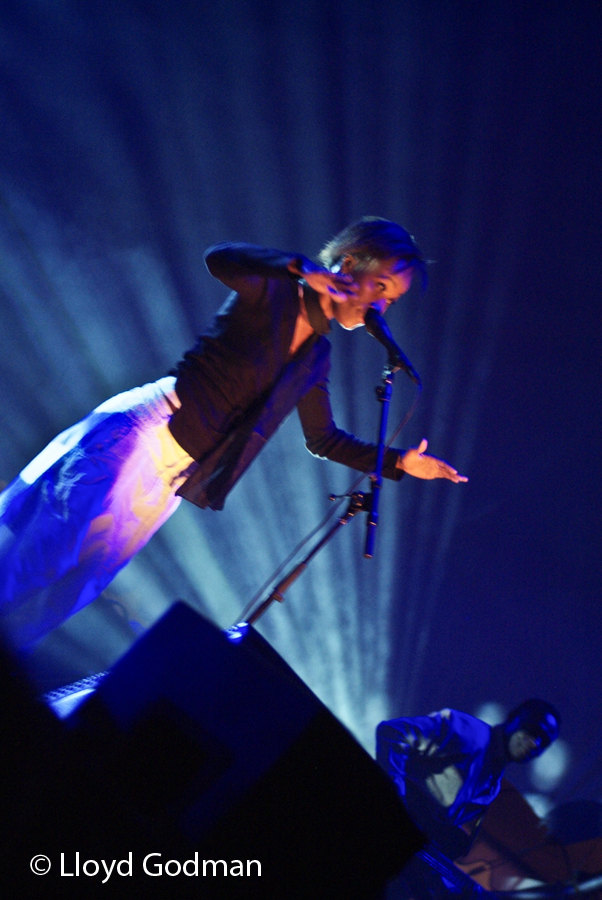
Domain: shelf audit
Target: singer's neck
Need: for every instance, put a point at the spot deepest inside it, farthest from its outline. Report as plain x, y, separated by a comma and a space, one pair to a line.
302, 332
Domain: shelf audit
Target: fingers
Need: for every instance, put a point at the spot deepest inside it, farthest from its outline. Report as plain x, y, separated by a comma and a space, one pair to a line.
340, 292
423, 445
447, 471
453, 476
343, 284
337, 285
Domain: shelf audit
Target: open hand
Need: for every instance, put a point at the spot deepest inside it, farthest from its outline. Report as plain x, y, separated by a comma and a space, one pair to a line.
416, 463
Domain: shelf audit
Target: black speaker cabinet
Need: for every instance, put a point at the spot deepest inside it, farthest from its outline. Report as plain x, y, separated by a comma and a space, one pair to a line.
211, 770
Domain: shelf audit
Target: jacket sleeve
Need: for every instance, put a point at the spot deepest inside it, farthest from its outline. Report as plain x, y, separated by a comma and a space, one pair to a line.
324, 439
239, 266
399, 742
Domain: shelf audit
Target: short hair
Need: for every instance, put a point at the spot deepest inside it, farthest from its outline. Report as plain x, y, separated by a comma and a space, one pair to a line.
372, 238
537, 717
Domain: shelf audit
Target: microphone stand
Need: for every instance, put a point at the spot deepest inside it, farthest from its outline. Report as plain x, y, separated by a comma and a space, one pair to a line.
378, 328
383, 394
358, 502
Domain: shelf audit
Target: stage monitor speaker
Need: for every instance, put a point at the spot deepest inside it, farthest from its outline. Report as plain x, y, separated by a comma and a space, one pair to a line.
218, 748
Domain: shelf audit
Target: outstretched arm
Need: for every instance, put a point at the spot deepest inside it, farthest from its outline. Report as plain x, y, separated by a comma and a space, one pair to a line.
323, 438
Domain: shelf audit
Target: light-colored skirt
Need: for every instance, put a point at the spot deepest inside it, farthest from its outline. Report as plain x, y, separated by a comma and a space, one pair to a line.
84, 506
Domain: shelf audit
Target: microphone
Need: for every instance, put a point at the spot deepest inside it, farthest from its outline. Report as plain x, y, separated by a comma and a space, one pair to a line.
378, 328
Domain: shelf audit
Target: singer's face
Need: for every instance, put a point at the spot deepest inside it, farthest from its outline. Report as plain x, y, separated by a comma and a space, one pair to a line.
379, 286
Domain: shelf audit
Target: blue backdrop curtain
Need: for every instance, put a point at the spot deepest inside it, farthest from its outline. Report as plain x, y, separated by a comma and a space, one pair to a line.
135, 134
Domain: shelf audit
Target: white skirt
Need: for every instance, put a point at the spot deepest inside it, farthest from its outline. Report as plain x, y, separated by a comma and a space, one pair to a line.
84, 506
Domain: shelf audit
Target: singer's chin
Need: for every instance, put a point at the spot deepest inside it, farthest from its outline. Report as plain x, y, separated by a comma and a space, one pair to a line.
349, 315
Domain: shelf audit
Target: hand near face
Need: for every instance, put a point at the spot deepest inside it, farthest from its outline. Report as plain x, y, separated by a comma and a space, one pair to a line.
415, 462
346, 294
338, 286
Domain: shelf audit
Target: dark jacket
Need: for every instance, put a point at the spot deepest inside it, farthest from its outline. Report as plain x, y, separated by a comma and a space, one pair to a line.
448, 767
238, 384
